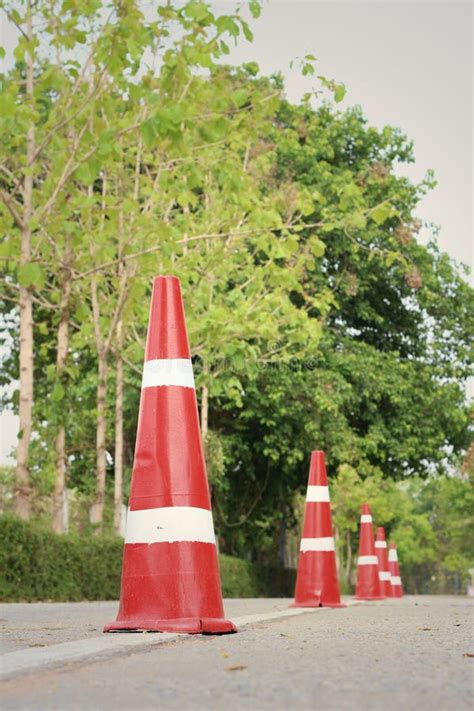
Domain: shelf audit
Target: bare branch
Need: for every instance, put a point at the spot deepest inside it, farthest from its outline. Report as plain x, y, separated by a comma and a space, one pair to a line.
8, 202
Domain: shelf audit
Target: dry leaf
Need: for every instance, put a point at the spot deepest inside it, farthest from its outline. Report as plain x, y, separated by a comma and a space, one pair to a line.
236, 667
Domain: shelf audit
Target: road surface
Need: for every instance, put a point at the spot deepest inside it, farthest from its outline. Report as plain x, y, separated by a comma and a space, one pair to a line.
414, 653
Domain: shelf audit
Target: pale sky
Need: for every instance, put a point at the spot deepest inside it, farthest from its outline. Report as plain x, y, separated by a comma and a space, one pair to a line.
408, 64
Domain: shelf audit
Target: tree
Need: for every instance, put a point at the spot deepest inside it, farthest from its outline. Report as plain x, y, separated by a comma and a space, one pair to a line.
384, 390
57, 138
316, 318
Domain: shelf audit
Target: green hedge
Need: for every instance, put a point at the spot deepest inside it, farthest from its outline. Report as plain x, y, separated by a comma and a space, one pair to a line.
36, 564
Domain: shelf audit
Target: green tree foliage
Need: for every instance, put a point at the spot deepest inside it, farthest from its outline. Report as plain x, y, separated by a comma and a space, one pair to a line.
383, 391
429, 520
317, 319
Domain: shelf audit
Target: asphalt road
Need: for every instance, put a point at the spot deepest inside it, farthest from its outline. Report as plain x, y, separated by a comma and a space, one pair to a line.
403, 654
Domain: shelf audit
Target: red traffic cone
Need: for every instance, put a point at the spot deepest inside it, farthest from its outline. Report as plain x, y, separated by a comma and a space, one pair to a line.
382, 557
170, 574
396, 589
316, 581
368, 583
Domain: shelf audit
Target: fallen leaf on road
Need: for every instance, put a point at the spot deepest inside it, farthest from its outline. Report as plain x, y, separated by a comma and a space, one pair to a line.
224, 653
236, 667
468, 654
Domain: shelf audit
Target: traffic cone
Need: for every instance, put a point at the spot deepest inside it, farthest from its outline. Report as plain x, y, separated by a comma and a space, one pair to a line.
316, 581
382, 557
170, 573
396, 589
368, 583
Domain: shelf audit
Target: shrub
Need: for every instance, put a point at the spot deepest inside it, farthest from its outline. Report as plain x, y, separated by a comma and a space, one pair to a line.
238, 577
36, 564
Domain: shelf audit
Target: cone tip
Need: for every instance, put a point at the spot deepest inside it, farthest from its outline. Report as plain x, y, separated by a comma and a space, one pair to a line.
167, 336
165, 278
318, 474
380, 533
365, 509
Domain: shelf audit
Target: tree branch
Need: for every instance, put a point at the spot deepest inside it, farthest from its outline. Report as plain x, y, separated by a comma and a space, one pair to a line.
215, 235
8, 202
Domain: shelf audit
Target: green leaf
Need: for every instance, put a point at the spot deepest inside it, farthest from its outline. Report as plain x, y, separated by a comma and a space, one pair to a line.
358, 220
382, 212
391, 258
317, 247
255, 8
147, 129
196, 10
82, 313
226, 23
87, 172
58, 393
329, 226
6, 249
247, 31
224, 47
239, 97
251, 68
31, 274
339, 93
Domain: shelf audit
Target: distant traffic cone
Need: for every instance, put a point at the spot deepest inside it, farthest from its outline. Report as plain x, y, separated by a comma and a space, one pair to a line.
396, 589
170, 574
368, 583
317, 582
382, 557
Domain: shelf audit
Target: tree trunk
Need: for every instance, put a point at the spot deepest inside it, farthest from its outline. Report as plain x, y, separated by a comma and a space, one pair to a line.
204, 413
60, 439
336, 549
349, 558
282, 539
118, 464
97, 509
22, 487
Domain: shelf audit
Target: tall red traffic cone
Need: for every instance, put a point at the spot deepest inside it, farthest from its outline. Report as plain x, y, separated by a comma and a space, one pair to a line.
382, 557
368, 583
396, 589
317, 582
170, 574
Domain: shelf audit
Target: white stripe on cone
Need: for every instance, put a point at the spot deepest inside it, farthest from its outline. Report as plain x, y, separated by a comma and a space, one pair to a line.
396, 580
317, 493
380, 544
170, 524
392, 555
384, 575
168, 371
317, 544
366, 518
367, 560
